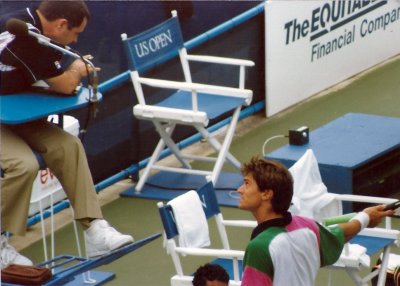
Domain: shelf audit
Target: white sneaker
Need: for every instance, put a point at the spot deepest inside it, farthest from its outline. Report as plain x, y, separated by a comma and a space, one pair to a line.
10, 256
101, 238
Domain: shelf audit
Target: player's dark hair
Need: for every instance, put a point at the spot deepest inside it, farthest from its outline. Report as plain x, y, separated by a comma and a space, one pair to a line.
210, 272
272, 175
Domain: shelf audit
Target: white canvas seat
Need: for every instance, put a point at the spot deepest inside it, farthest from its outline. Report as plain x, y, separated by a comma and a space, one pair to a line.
189, 103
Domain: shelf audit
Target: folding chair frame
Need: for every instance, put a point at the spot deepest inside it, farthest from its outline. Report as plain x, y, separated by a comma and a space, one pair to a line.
306, 177
351, 266
50, 196
165, 118
211, 209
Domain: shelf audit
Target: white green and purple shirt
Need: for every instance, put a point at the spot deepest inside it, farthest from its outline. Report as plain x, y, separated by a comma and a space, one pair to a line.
290, 251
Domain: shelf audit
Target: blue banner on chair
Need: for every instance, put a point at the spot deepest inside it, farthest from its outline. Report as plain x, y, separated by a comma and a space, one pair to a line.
155, 45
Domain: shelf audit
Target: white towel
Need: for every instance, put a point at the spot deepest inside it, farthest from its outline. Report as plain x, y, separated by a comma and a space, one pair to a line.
394, 261
310, 195
190, 220
355, 251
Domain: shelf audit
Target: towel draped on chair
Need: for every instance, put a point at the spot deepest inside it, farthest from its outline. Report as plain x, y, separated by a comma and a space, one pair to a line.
310, 195
190, 220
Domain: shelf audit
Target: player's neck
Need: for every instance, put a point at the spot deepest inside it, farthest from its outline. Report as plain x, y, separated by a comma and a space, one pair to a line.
262, 215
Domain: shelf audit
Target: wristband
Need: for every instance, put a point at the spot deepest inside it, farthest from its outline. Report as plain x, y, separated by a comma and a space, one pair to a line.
363, 218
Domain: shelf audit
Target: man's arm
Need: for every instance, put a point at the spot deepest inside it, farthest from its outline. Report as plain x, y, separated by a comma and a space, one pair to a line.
68, 81
370, 217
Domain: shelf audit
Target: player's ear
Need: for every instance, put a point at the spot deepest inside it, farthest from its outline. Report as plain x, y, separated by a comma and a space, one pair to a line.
61, 23
267, 195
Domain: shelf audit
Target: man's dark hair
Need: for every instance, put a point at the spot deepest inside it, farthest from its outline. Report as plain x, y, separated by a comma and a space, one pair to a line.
74, 11
210, 272
272, 175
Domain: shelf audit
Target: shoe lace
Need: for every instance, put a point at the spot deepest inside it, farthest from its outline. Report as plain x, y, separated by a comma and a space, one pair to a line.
105, 232
111, 232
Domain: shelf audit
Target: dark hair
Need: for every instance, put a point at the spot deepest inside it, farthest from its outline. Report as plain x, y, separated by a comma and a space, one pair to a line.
272, 175
210, 272
74, 11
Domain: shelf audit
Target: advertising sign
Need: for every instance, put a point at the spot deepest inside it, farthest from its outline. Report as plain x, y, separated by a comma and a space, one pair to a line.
313, 45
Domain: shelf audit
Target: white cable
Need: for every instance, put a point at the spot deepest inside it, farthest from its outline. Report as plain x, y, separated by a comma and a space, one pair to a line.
268, 140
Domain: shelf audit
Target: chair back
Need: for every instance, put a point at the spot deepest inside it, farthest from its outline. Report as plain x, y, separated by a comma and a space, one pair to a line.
208, 201
168, 220
154, 46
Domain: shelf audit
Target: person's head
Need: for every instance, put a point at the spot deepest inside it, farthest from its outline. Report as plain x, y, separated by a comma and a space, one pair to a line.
63, 21
265, 181
210, 275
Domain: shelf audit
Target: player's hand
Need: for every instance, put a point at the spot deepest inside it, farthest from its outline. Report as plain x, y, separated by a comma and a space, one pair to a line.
376, 214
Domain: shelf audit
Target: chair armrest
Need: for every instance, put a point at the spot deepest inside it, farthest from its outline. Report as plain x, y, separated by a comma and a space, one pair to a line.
197, 87
364, 199
222, 253
381, 232
220, 60
240, 223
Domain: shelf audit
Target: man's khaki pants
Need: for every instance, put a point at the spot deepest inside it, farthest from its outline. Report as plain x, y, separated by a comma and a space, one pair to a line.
62, 152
